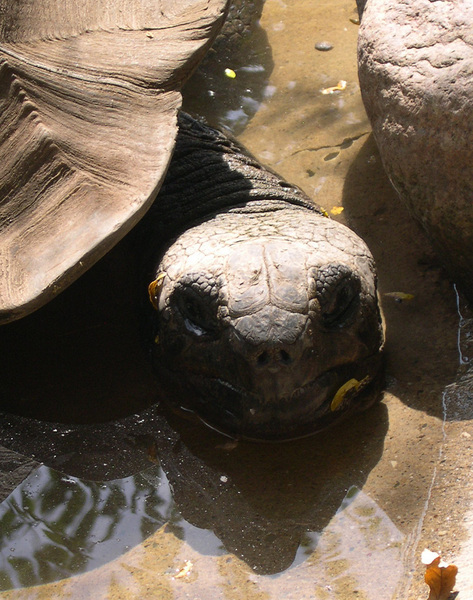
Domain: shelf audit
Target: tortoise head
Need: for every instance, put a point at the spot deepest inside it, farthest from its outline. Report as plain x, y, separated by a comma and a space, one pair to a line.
267, 325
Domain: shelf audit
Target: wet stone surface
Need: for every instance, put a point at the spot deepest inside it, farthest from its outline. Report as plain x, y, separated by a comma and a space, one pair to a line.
323, 46
151, 506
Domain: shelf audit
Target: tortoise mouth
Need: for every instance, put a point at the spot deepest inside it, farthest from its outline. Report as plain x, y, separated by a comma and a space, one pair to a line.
243, 414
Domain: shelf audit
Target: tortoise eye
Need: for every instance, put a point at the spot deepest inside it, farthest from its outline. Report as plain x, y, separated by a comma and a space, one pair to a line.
338, 293
197, 312
193, 311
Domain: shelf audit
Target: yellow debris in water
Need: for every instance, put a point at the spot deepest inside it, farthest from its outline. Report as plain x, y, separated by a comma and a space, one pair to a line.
341, 85
351, 384
230, 73
399, 296
342, 392
154, 289
336, 210
186, 569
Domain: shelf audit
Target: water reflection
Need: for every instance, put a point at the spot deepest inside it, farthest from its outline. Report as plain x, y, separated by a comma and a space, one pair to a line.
360, 551
266, 504
233, 80
55, 526
264, 498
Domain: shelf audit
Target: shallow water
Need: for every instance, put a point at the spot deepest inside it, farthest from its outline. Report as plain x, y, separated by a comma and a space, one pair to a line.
153, 507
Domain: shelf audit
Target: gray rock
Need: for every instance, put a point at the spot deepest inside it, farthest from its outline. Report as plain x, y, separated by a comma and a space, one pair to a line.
416, 76
323, 46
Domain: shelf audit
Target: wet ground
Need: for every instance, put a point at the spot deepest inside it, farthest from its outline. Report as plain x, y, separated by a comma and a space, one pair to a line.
153, 507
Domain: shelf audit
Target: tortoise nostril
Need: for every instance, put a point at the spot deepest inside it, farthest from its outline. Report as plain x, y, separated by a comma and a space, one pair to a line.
263, 359
285, 357
274, 357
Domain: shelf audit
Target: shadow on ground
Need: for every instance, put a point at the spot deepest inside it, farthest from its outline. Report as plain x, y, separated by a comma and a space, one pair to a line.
421, 333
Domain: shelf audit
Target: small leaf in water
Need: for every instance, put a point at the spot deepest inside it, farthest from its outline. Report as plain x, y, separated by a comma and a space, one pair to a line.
439, 576
336, 210
341, 85
186, 569
154, 290
399, 296
230, 73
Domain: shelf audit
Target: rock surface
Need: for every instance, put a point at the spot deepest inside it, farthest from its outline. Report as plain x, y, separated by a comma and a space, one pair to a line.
416, 76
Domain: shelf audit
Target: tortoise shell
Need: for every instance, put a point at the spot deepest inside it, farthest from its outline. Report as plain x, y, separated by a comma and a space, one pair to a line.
89, 94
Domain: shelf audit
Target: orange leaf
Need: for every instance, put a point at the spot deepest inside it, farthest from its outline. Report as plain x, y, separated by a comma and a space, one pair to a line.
440, 579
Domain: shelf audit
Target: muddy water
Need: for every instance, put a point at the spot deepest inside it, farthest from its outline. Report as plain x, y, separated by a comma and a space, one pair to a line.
343, 515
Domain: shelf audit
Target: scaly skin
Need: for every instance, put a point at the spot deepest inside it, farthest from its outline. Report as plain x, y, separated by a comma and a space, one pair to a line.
264, 309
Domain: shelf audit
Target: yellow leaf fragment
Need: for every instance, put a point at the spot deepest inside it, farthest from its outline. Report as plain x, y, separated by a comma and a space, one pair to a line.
341, 85
352, 385
154, 289
186, 569
336, 210
230, 73
400, 296
439, 576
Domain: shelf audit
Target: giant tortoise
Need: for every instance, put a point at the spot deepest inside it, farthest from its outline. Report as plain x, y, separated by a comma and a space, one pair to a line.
262, 316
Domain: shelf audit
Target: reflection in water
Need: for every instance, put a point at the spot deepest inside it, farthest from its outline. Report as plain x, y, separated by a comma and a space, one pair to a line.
56, 526
265, 504
359, 552
227, 101
259, 501
361, 525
